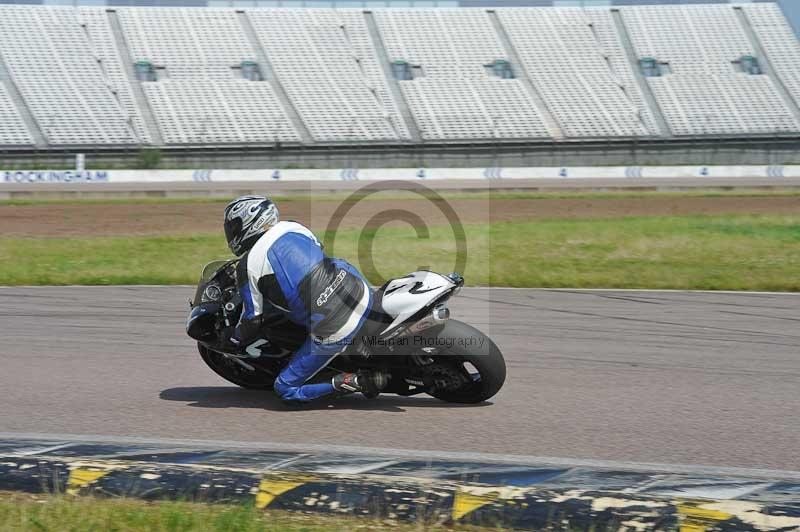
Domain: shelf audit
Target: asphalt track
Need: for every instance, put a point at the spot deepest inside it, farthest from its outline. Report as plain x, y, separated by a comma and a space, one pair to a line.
659, 377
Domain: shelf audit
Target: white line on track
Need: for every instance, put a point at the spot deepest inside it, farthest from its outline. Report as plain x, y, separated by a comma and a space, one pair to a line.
770, 474
42, 450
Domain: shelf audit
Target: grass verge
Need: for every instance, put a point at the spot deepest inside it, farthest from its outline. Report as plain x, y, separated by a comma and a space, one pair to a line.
734, 252
20, 512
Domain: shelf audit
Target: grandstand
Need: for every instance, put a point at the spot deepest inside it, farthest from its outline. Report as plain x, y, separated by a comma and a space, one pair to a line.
91, 77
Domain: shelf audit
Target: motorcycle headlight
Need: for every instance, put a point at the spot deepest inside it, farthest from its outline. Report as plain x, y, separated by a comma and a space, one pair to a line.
212, 293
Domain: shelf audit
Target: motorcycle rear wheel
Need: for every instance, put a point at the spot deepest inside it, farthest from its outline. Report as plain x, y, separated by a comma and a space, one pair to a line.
485, 362
235, 373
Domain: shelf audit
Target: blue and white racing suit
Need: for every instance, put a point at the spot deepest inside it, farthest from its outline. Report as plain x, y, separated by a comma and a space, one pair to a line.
286, 269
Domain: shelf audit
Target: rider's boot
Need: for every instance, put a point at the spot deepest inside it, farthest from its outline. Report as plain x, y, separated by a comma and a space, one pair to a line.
370, 383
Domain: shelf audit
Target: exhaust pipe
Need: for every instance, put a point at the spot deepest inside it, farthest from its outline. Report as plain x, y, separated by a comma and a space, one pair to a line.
440, 313
438, 316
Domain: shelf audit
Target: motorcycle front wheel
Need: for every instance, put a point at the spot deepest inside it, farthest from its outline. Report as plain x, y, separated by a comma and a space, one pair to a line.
232, 371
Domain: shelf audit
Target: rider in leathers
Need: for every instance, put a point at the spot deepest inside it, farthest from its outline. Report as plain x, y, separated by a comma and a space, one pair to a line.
283, 270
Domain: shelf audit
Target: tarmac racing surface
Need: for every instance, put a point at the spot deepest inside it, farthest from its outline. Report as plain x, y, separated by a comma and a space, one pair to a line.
658, 377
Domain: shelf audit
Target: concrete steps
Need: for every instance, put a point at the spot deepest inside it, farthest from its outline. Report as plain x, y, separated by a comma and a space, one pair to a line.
550, 121
272, 79
394, 86
39, 140
138, 92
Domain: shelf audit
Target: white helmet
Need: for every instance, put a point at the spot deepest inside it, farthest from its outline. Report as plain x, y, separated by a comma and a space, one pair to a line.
246, 219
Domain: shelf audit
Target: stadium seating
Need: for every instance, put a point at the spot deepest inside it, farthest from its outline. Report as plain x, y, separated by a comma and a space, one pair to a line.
779, 43
734, 104
12, 127
570, 67
447, 43
101, 40
330, 72
705, 94
187, 43
456, 98
222, 76
193, 111
63, 83
200, 96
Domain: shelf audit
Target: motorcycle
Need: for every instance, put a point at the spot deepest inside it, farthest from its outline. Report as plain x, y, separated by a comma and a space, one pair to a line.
409, 335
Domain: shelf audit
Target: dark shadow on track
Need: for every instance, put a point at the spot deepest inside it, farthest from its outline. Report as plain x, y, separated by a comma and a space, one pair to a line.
233, 397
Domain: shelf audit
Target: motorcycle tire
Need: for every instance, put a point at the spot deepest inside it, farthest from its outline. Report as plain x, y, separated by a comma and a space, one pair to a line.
486, 358
233, 372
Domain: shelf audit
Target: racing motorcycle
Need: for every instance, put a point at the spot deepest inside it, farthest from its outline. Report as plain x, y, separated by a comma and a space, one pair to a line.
409, 335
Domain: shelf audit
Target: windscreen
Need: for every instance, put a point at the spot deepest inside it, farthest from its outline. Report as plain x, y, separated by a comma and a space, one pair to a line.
209, 271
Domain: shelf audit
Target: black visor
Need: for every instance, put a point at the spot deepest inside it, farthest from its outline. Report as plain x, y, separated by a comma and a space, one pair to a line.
233, 230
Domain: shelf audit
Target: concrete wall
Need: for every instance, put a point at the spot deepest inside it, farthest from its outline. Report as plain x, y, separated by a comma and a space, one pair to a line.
680, 152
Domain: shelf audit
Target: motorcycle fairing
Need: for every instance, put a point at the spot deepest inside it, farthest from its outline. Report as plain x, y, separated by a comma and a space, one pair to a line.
405, 296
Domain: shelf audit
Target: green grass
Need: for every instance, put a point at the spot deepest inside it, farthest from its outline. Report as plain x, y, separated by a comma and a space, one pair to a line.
741, 252
63, 513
